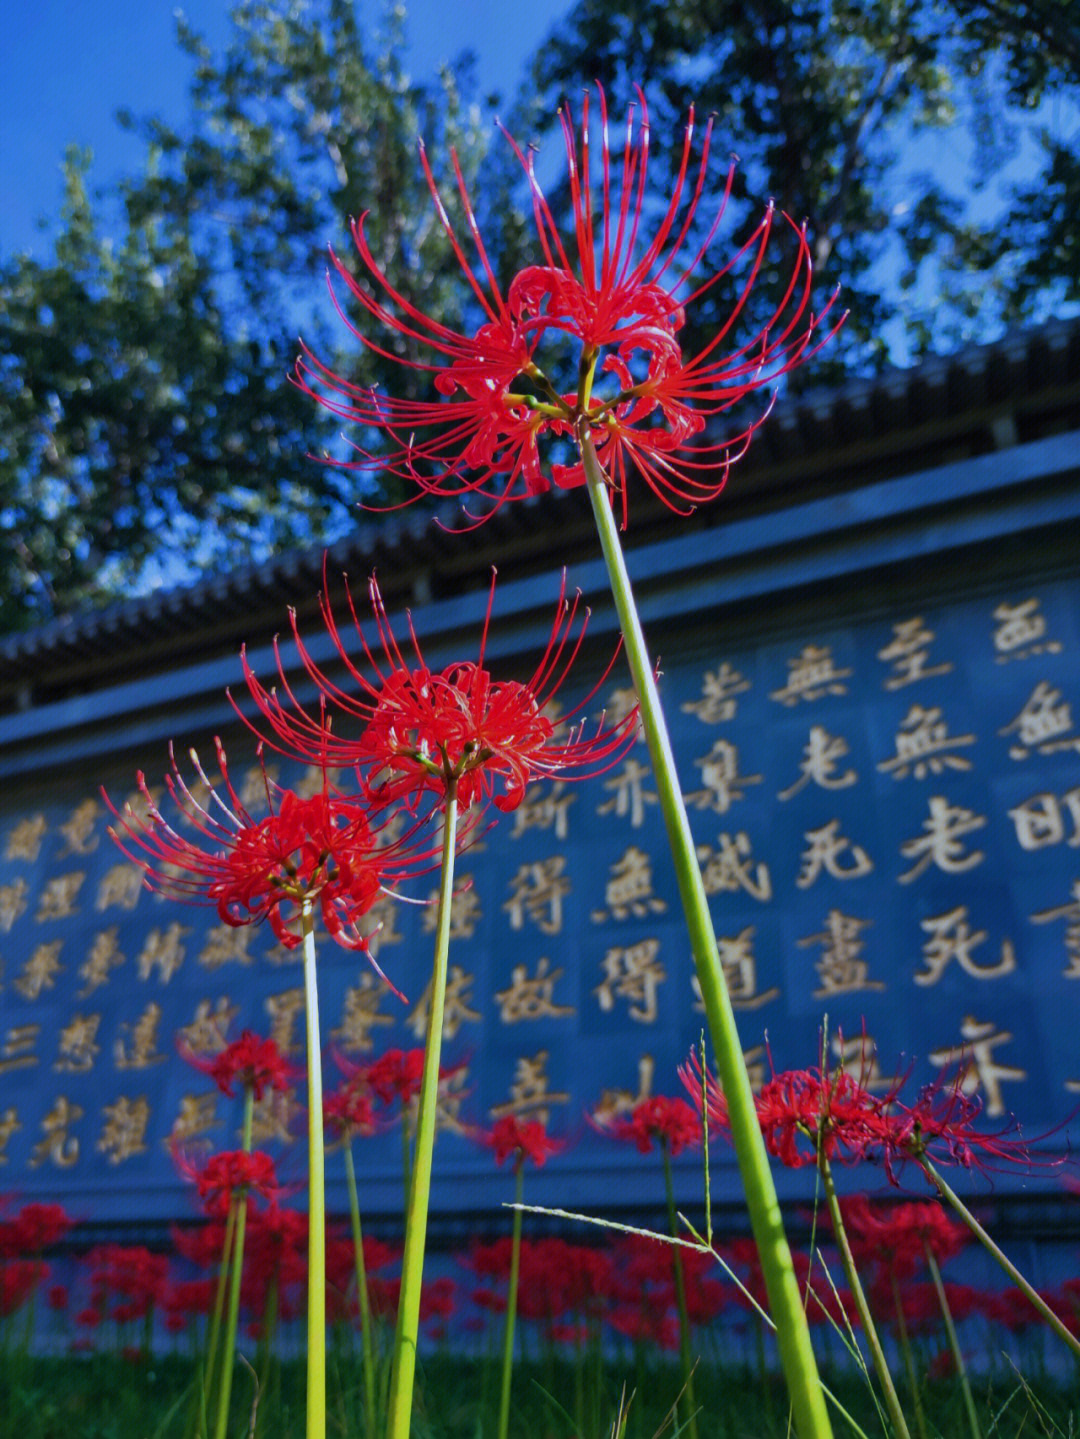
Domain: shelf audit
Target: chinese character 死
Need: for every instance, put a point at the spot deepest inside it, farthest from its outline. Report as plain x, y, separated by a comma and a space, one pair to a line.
824, 849
952, 938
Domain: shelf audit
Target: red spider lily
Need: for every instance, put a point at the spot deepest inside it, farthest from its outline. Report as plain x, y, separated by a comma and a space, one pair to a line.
896, 1237
423, 732
34, 1229
619, 298
523, 1140
253, 1062
350, 1110
19, 1279
131, 1273
228, 1172
396, 1075
320, 850
670, 1123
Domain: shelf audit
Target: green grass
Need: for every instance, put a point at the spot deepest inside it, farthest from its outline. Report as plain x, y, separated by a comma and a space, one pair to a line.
105, 1397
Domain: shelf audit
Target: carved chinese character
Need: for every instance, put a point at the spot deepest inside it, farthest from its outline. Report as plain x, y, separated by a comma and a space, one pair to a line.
361, 1014
12, 903
908, 653
163, 951
226, 943
274, 1116
630, 794
17, 1050
538, 892
728, 869
942, 844
1019, 632
821, 755
531, 998
314, 779
952, 938
621, 702
923, 746
718, 690
1043, 724
858, 1057
77, 1046
452, 1092
980, 1071
456, 1009
40, 970
1070, 913
811, 675
103, 957
78, 831
465, 912
530, 1092
24, 840
124, 1131
9, 1123
632, 972
142, 1050
284, 1009
542, 809
57, 898
739, 964
824, 850
256, 786
841, 968
629, 890
378, 925
722, 784
58, 1147
615, 1103
121, 885
1040, 822
206, 1034
196, 1116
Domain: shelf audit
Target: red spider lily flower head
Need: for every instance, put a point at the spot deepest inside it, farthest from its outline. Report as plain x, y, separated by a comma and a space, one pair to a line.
253, 1062
615, 298
423, 733
350, 1109
228, 1173
897, 1237
34, 1229
942, 1128
670, 1123
805, 1114
320, 850
397, 1074
521, 1139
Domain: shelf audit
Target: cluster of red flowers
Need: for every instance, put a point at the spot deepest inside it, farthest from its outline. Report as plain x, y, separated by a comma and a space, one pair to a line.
519, 1139
250, 1061
669, 1123
810, 1115
616, 301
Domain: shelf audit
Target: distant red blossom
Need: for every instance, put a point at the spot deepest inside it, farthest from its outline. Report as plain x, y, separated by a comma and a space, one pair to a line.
421, 732
666, 1122
616, 296
35, 1228
250, 1061
511, 1137
228, 1173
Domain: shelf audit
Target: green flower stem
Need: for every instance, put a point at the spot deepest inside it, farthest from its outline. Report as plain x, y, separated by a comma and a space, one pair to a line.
954, 1342
1002, 1259
511, 1303
406, 1334
366, 1339
785, 1301
316, 1315
214, 1335
685, 1354
909, 1359
851, 1273
232, 1318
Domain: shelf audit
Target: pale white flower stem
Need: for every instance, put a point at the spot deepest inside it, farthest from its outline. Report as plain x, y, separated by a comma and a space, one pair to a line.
785, 1301
316, 1309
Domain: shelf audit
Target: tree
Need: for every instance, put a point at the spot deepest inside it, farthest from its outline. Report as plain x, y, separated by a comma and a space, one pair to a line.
147, 425
831, 104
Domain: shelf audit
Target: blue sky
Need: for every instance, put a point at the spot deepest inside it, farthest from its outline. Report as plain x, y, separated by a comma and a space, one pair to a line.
66, 66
